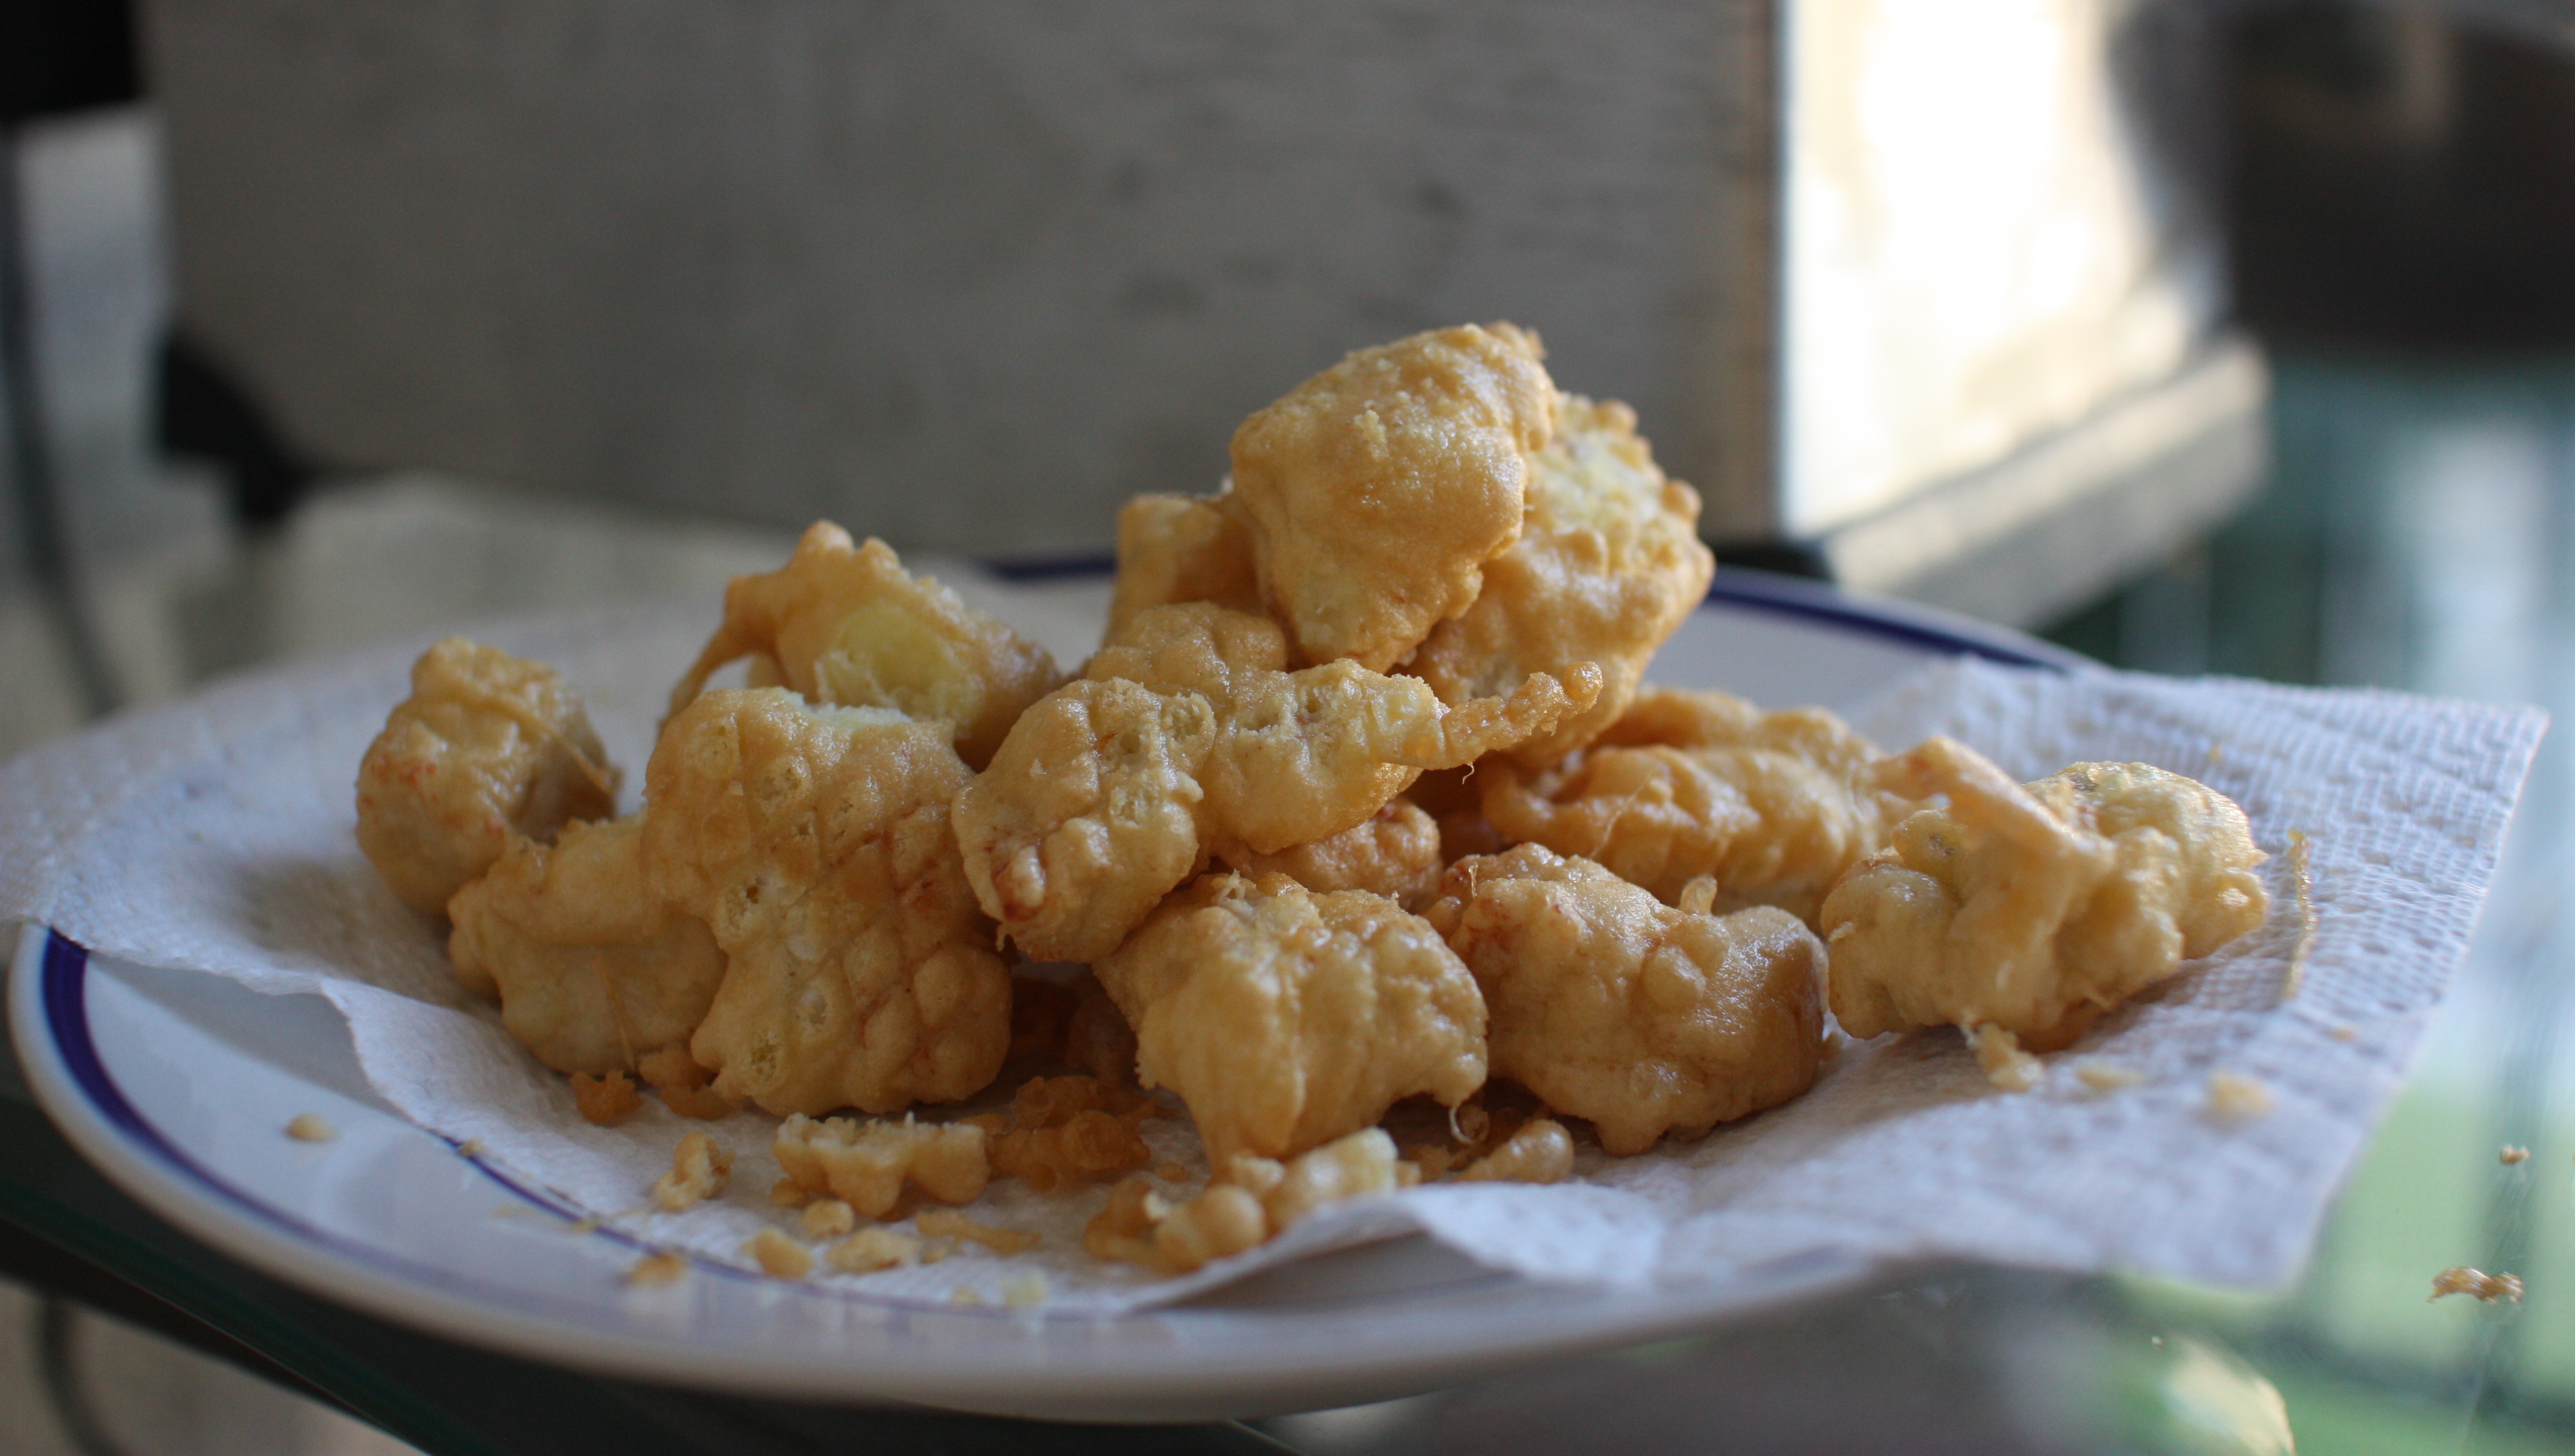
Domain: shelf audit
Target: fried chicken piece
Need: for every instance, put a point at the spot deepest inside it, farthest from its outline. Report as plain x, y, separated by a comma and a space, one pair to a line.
1186, 736
1607, 565
1088, 816
815, 843
1173, 548
593, 968
2034, 908
488, 746
1395, 853
1775, 805
1612, 1005
1285, 1018
1378, 489
866, 1164
845, 624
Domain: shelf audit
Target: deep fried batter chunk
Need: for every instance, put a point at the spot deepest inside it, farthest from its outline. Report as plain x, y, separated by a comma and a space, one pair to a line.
1186, 736
1540, 1152
1607, 565
2034, 908
1088, 816
698, 1172
815, 842
1173, 548
1378, 489
865, 1163
1611, 1005
1285, 1018
606, 1099
1775, 804
594, 970
845, 624
1249, 1200
487, 746
1395, 853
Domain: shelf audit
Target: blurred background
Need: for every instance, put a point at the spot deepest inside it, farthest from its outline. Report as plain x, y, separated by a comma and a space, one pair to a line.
2200, 336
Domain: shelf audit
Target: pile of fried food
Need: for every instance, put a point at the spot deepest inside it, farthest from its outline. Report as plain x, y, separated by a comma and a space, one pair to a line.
1362, 799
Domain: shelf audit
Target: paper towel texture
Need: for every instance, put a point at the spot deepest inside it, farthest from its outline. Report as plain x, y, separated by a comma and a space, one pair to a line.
216, 835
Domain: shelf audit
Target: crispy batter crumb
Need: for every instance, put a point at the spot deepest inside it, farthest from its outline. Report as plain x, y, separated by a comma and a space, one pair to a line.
605, 1100
873, 1248
698, 1170
1069, 1129
780, 1257
2236, 1095
1222, 1220
2512, 1153
933, 1250
2302, 876
2006, 1065
949, 1224
828, 1218
788, 1194
471, 1147
2106, 1076
309, 1128
2486, 1287
1025, 1291
1540, 1152
866, 1164
586, 1225
2344, 1033
966, 1296
653, 1269
1123, 1228
682, 1083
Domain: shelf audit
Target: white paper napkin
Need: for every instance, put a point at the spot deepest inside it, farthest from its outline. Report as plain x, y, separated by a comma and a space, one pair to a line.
216, 835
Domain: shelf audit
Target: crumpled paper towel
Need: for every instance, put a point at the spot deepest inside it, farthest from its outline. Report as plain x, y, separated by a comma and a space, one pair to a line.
215, 834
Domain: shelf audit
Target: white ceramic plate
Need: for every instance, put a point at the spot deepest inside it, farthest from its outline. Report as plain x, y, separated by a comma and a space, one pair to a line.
176, 1085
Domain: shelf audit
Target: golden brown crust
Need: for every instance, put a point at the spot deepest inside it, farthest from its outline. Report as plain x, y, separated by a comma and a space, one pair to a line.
1186, 736
2034, 907
1379, 487
1285, 1018
1612, 1005
592, 969
845, 624
1775, 805
815, 842
1607, 565
1173, 548
488, 746
1393, 852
